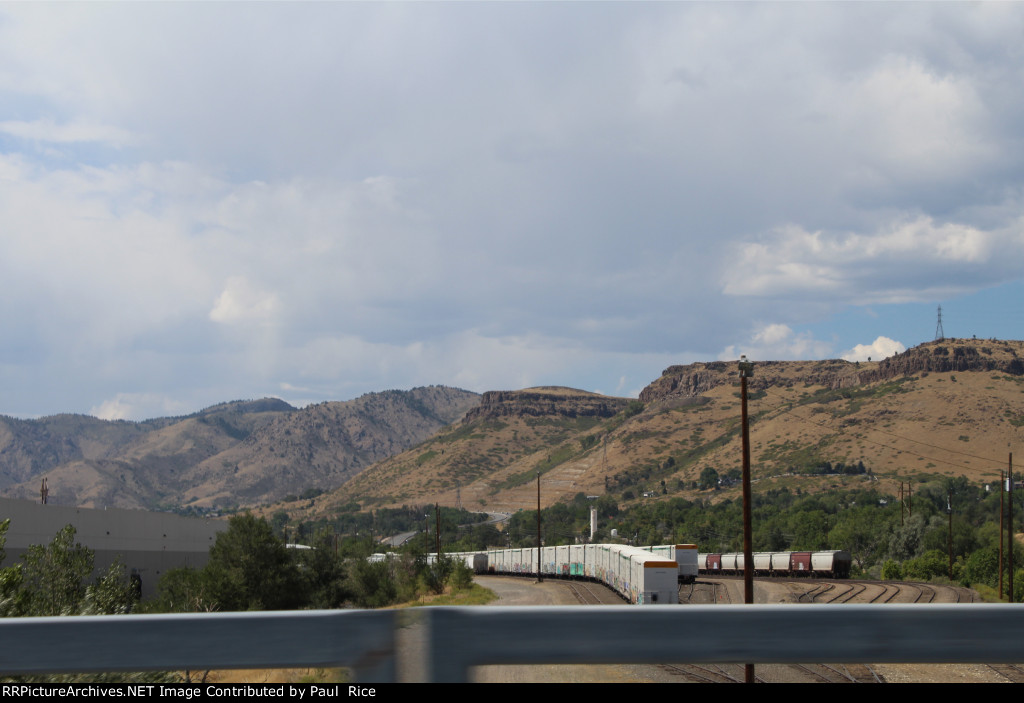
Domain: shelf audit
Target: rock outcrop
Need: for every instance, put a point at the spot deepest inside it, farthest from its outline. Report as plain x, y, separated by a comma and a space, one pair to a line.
538, 402
945, 356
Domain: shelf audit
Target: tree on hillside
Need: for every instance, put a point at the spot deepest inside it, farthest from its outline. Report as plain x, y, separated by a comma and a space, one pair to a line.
708, 478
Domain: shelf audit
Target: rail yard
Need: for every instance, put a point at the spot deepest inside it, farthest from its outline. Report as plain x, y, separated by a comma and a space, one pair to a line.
728, 590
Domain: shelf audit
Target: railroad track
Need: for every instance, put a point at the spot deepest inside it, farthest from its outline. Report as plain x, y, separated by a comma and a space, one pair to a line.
720, 593
824, 673
896, 590
1013, 672
793, 673
884, 595
862, 673
819, 589
688, 596
852, 591
926, 593
709, 673
584, 593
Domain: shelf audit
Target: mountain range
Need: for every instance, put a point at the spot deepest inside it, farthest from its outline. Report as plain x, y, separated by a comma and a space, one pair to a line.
239, 453
952, 406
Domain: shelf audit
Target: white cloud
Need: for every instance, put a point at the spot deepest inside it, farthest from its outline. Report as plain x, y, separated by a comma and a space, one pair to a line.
881, 348
136, 406
916, 259
47, 130
908, 120
241, 302
778, 342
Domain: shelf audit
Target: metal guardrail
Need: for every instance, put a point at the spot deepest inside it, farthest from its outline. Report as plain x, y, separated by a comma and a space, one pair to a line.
465, 637
362, 640
461, 638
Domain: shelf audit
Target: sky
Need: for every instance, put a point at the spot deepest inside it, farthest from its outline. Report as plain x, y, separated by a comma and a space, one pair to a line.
202, 202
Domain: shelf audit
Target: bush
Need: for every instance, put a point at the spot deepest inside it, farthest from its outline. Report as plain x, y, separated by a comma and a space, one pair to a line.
891, 571
435, 576
462, 576
372, 584
982, 567
926, 567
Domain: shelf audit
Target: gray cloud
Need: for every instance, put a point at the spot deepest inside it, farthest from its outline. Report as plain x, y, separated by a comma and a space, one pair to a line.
219, 200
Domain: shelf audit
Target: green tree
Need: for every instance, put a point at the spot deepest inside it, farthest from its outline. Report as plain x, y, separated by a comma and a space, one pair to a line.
372, 584
927, 566
10, 579
906, 540
891, 571
183, 590
708, 478
324, 575
462, 576
864, 532
53, 580
982, 567
54, 577
250, 568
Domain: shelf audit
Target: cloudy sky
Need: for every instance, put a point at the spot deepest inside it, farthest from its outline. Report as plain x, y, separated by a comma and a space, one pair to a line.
204, 202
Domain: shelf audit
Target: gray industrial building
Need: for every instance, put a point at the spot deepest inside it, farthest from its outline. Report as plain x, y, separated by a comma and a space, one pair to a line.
148, 544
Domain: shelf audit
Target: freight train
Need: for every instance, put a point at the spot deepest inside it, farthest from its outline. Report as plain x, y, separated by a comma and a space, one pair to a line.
685, 555
638, 575
834, 564
646, 575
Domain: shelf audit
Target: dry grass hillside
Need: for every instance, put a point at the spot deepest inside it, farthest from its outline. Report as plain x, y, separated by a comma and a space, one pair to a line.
953, 407
496, 450
233, 454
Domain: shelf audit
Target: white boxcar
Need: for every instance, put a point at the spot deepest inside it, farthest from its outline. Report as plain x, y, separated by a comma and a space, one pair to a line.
653, 580
732, 563
577, 560
562, 561
835, 564
637, 575
685, 555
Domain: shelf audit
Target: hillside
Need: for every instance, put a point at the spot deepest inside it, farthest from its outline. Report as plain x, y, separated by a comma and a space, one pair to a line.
498, 447
951, 407
231, 454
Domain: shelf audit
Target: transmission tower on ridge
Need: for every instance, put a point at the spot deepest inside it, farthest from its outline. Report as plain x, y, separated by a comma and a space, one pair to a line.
458, 496
939, 334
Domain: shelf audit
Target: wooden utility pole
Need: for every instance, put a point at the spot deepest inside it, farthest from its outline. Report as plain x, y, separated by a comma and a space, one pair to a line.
1002, 512
540, 576
746, 371
949, 510
1009, 529
437, 529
